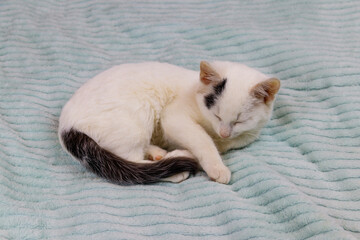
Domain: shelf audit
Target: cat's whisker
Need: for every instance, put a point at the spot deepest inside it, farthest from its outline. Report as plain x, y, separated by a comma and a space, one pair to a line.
256, 136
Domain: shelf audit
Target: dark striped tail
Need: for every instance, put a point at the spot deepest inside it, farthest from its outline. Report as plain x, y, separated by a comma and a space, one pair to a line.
118, 170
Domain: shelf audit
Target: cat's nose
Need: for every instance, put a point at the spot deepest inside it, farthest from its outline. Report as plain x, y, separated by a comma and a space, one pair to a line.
225, 132
224, 135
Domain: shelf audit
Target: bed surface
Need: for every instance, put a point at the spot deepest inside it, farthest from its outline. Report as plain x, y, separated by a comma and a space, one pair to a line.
300, 180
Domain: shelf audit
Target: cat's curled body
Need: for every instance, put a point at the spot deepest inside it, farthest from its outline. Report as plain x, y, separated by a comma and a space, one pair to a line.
119, 123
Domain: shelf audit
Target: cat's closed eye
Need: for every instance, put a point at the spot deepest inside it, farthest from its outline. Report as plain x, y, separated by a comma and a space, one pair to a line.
241, 121
219, 118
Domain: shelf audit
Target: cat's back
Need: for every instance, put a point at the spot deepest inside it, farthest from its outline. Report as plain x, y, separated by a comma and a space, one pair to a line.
128, 86
137, 75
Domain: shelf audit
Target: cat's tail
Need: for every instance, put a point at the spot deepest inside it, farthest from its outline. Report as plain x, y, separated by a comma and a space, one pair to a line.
118, 170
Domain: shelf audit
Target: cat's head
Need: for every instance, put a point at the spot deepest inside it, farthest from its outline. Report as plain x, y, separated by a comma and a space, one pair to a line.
235, 98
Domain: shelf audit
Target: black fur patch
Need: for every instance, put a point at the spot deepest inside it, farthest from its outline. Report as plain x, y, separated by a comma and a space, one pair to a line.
219, 88
211, 98
118, 170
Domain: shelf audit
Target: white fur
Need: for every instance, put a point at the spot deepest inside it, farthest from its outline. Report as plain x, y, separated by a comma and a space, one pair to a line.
129, 107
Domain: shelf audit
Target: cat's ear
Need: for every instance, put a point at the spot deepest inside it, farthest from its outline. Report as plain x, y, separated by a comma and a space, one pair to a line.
266, 90
208, 75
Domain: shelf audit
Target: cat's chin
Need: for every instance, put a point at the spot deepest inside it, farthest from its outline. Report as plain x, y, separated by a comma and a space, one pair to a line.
224, 138
232, 136
229, 138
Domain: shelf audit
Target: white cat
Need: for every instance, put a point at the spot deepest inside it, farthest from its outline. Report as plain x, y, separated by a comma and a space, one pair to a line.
119, 123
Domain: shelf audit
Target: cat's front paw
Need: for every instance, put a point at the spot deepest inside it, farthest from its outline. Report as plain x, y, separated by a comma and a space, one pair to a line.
219, 173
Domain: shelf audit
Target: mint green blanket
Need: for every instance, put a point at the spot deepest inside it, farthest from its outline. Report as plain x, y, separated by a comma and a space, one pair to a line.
300, 180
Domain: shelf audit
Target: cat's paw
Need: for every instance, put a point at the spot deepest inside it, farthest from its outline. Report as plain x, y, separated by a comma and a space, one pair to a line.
219, 173
155, 153
179, 153
177, 178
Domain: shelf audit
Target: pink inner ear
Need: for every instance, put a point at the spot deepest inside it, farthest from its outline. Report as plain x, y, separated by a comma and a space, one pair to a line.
266, 90
208, 74
204, 79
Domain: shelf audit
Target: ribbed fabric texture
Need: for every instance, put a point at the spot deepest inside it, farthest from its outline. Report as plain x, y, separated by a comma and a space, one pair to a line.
300, 180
